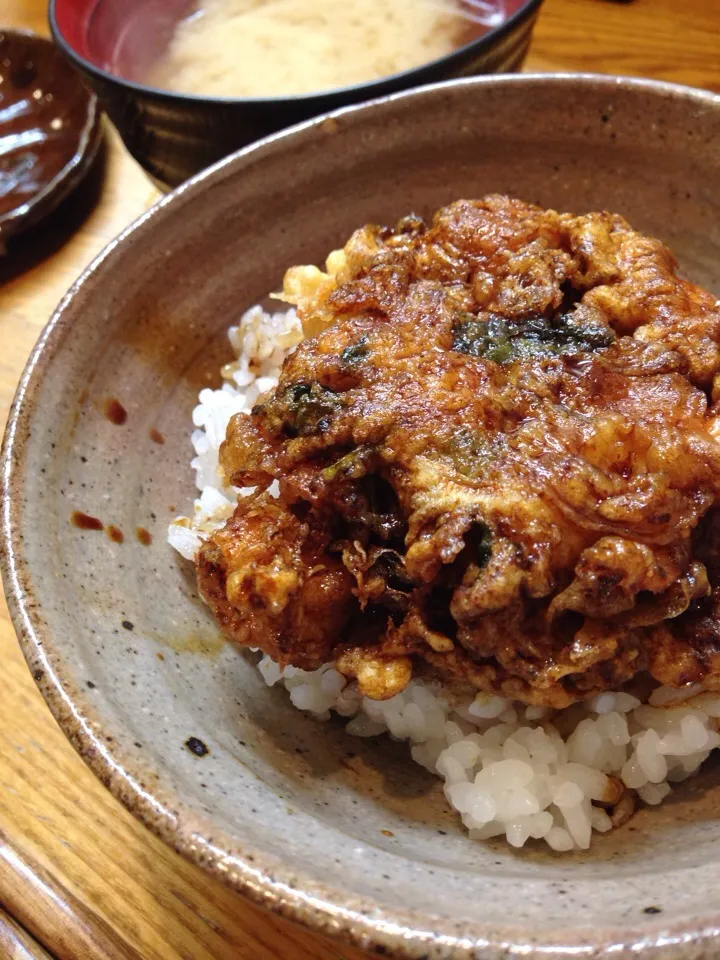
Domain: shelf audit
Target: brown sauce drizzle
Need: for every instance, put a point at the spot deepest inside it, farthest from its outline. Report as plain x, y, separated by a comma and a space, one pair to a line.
115, 412
84, 521
156, 436
115, 533
144, 536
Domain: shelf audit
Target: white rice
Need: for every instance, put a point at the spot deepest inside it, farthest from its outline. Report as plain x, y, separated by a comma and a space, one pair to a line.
261, 341
509, 769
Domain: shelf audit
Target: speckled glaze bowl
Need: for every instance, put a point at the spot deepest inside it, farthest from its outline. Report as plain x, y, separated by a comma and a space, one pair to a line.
343, 834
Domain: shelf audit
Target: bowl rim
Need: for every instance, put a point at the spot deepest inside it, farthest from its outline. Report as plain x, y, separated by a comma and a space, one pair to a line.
67, 177
366, 90
400, 932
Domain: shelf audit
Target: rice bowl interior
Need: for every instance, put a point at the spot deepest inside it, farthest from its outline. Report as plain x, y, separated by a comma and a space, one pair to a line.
338, 832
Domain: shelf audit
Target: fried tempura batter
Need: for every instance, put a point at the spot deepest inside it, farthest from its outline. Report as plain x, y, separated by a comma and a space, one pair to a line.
497, 463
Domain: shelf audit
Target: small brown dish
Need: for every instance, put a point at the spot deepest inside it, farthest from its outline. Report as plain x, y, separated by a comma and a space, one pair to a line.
49, 130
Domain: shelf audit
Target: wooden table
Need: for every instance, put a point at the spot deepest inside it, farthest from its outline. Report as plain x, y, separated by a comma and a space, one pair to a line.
79, 878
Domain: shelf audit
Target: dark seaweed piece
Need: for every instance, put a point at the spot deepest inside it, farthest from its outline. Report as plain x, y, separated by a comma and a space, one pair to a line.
372, 502
392, 565
356, 352
301, 409
351, 465
484, 547
496, 338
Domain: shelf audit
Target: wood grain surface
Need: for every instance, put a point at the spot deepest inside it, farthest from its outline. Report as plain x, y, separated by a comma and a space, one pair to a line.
17, 943
79, 878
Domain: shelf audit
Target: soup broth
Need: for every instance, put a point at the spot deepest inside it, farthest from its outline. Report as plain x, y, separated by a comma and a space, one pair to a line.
267, 48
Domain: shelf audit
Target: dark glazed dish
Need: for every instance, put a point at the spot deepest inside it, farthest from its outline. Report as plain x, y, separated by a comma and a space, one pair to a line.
174, 136
49, 125
342, 836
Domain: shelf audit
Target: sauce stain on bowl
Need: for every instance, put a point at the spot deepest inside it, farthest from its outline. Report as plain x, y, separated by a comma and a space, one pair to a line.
83, 521
144, 536
115, 412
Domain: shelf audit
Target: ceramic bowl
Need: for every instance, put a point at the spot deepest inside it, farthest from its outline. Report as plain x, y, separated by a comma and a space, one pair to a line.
49, 129
343, 834
173, 136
